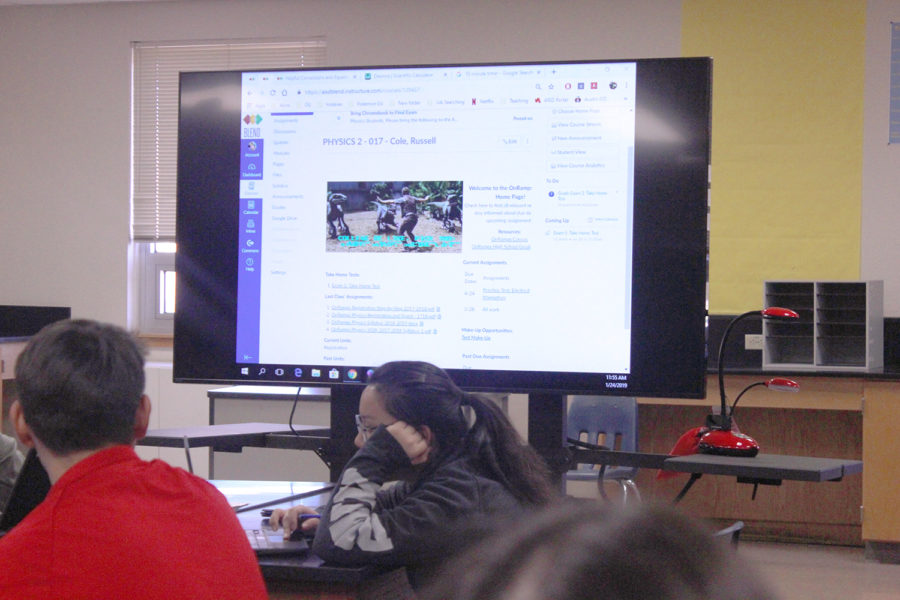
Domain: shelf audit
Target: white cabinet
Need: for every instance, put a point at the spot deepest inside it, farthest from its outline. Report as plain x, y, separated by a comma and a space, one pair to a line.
841, 326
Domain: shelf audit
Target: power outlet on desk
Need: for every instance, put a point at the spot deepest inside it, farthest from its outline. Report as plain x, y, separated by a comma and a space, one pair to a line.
753, 341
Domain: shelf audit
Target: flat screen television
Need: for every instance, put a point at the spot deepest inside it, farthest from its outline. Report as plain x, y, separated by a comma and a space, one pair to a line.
529, 227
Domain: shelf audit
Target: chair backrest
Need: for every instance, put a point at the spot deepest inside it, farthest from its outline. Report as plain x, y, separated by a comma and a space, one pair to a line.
604, 419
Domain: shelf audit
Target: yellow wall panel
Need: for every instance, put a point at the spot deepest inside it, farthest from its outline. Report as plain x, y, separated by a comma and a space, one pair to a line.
786, 195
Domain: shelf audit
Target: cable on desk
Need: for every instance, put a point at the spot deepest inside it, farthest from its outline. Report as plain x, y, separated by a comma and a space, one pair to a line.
187, 452
294, 408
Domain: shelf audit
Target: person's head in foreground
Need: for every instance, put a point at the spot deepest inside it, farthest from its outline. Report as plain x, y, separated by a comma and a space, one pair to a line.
586, 551
80, 389
112, 525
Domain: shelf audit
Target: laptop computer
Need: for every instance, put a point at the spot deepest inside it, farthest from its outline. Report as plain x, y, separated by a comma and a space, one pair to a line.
29, 490
266, 542
262, 538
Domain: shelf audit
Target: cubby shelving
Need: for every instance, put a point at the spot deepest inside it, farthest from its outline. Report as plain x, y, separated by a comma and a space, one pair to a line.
841, 326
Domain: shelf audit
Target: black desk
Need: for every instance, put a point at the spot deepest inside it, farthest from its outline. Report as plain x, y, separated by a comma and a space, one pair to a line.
307, 575
762, 469
235, 437
761, 466
766, 469
770, 467
230, 437
343, 404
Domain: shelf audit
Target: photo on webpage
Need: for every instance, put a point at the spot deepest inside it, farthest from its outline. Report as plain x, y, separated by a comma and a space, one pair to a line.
394, 216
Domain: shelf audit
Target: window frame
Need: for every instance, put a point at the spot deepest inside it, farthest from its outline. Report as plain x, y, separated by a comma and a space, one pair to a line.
154, 135
151, 319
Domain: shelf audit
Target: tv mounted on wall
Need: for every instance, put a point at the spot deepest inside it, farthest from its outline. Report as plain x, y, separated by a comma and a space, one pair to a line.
560, 236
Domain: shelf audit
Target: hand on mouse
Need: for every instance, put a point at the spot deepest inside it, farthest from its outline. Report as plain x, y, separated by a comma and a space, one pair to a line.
411, 440
290, 520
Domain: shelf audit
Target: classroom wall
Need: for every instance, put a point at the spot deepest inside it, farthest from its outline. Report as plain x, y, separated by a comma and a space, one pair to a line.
65, 133
64, 117
880, 243
65, 121
65, 97
787, 141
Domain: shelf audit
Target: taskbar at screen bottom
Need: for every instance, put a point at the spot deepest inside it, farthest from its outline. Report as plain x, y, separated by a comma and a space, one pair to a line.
470, 379
303, 374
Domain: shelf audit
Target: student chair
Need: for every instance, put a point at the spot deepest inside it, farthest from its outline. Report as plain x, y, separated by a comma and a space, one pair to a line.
609, 421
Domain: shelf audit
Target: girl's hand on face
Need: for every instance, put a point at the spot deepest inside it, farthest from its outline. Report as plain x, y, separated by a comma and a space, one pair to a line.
411, 440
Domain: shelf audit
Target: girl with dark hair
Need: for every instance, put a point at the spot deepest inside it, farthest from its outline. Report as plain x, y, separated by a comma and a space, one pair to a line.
459, 460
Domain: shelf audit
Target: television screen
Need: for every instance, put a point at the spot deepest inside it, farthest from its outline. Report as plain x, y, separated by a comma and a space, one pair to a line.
534, 227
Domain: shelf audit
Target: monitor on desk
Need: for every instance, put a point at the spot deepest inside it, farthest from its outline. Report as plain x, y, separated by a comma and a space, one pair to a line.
320, 225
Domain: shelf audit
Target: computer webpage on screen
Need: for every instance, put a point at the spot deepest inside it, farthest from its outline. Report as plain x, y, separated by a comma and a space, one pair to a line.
522, 183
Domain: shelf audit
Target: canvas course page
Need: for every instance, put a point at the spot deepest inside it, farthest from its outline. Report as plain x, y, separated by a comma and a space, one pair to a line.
510, 248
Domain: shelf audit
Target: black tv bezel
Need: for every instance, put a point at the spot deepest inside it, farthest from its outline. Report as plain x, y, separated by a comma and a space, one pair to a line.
670, 255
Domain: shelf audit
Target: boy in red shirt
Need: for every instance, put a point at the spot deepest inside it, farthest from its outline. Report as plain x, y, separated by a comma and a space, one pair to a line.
112, 525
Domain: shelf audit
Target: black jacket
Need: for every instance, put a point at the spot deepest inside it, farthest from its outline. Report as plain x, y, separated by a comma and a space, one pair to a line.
411, 524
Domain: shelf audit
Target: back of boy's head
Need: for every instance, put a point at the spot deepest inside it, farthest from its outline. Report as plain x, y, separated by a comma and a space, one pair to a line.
80, 383
577, 550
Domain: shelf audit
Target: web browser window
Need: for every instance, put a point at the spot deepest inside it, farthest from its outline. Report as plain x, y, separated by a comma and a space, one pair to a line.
447, 194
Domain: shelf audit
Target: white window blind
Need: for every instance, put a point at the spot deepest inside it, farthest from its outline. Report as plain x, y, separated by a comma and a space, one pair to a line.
155, 112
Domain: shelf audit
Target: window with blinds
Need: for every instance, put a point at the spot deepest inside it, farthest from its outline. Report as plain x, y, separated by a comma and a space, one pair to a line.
155, 113
155, 69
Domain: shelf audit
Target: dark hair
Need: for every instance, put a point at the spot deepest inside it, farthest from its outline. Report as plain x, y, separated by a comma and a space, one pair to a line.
423, 394
80, 383
583, 550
